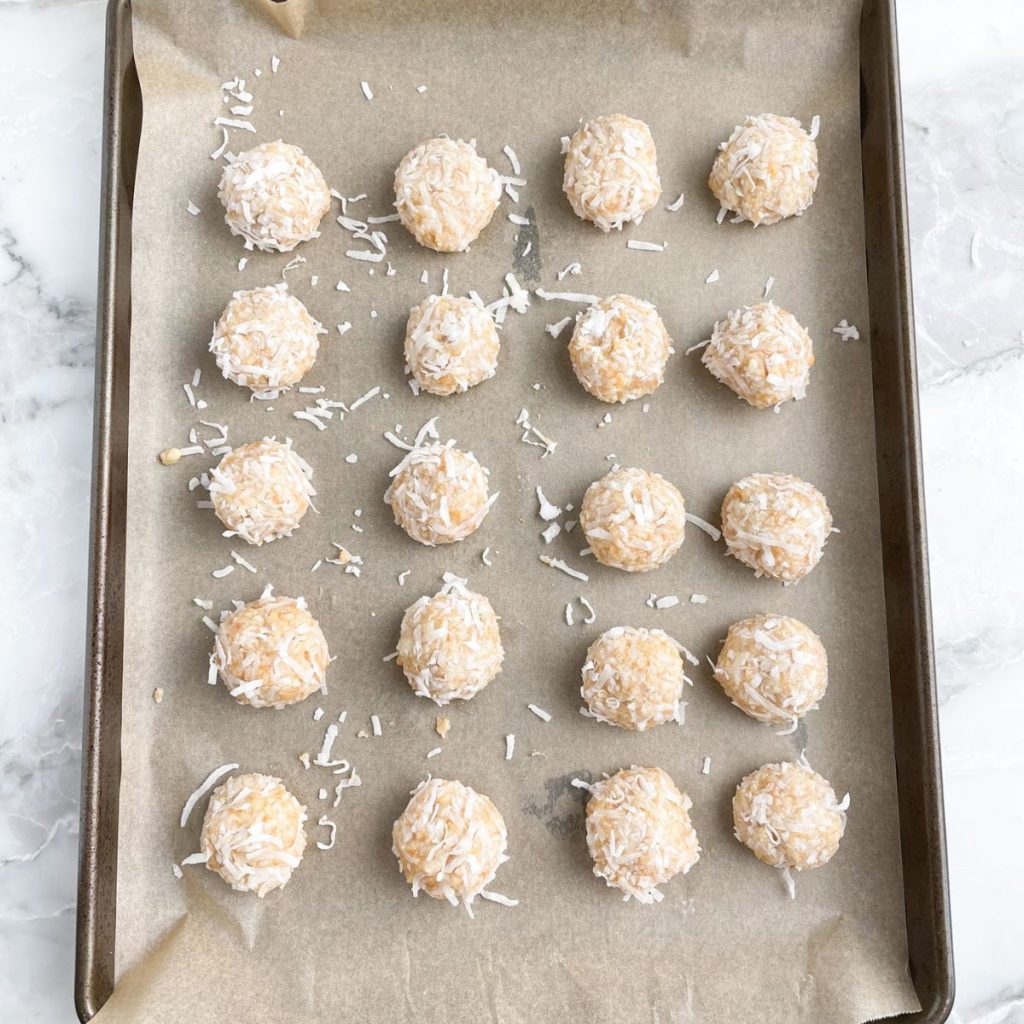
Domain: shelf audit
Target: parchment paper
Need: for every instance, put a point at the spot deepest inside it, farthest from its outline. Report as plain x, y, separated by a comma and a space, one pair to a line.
345, 940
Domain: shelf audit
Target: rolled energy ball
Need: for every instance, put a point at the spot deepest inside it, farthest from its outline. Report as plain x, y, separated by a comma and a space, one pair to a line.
619, 349
766, 170
611, 171
451, 344
777, 524
449, 647
266, 339
271, 652
252, 833
261, 490
639, 832
773, 668
274, 196
446, 194
449, 841
762, 353
438, 494
633, 678
788, 815
633, 519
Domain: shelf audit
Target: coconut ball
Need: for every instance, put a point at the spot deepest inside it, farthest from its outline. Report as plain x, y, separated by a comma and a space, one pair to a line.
611, 171
619, 349
639, 832
451, 344
265, 339
633, 678
274, 196
271, 653
777, 524
449, 647
762, 353
252, 833
633, 519
438, 494
261, 490
446, 194
773, 668
449, 841
766, 170
789, 816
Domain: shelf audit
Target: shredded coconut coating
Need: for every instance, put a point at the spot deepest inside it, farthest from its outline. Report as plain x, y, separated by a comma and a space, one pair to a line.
449, 647
261, 490
252, 833
439, 494
762, 353
611, 171
271, 653
639, 832
266, 339
451, 344
633, 678
633, 519
446, 194
789, 816
619, 349
274, 196
449, 841
773, 668
766, 170
777, 524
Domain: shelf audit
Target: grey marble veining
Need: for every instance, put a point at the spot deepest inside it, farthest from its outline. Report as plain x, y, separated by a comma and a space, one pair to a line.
963, 72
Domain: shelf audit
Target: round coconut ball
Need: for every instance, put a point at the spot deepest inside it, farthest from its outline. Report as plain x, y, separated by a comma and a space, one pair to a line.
773, 668
266, 339
274, 196
449, 647
252, 833
451, 344
777, 524
271, 652
762, 353
633, 678
788, 815
438, 494
446, 194
261, 490
449, 841
619, 349
766, 170
611, 171
633, 519
639, 832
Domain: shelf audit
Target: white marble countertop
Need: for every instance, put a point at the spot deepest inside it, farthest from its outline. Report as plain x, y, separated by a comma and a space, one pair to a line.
963, 81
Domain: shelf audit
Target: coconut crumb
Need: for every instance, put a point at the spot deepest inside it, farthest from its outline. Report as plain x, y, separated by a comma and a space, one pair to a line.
698, 599
712, 277
158, 695
375, 725
170, 456
510, 746
677, 205
558, 563
846, 331
442, 726
543, 715
547, 510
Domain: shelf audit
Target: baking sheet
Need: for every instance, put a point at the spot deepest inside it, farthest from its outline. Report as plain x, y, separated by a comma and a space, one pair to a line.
345, 936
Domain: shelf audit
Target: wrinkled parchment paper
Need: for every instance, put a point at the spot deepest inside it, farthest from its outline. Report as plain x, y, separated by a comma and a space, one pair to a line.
345, 940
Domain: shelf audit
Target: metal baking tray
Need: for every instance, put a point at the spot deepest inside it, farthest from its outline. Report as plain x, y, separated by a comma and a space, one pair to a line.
908, 613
